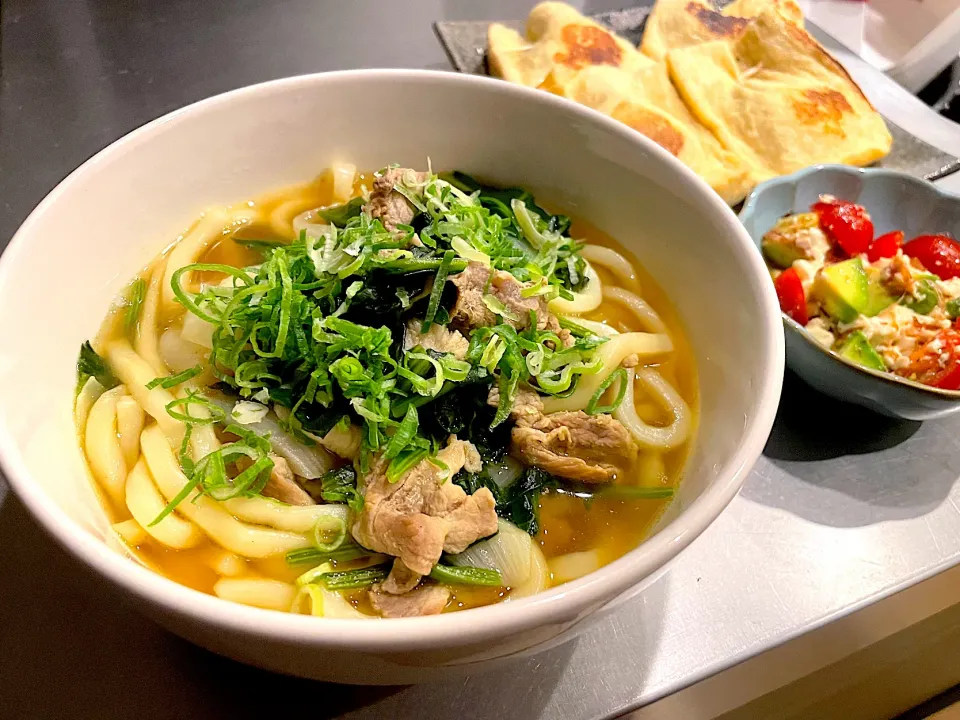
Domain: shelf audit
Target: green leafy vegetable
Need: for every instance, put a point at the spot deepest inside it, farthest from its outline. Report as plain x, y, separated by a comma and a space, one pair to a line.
353, 579
89, 364
518, 502
135, 297
457, 575
262, 245
340, 486
340, 215
522, 503
312, 556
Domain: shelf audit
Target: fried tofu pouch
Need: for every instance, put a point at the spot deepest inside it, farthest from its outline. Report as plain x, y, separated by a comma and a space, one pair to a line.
570, 55
777, 99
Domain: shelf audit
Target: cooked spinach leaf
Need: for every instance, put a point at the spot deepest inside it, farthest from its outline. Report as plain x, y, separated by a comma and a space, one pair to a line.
340, 215
340, 486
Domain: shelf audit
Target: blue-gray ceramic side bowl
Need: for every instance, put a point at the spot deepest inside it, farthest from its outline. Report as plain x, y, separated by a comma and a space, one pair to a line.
895, 202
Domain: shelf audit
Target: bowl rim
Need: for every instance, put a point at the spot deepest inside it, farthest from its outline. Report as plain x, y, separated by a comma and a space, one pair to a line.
755, 198
561, 604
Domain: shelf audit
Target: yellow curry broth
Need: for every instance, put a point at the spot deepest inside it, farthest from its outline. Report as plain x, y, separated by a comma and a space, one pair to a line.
614, 527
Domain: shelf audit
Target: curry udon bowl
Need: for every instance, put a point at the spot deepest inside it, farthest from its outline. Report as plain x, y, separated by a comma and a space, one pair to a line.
111, 216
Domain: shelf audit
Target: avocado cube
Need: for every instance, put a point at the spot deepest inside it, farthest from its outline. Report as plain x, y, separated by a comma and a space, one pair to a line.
858, 349
925, 300
782, 245
843, 290
878, 299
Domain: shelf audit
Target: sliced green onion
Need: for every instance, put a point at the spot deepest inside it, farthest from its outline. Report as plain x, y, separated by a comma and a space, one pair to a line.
507, 385
465, 250
188, 301
493, 352
424, 386
527, 225
437, 291
618, 375
216, 414
953, 308
456, 575
403, 462
179, 498
403, 434
496, 306
135, 298
173, 380
329, 533
454, 370
534, 361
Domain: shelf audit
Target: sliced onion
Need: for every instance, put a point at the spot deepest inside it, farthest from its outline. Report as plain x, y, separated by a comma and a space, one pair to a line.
180, 354
321, 602
197, 331
539, 578
505, 472
344, 175
311, 222
509, 551
310, 462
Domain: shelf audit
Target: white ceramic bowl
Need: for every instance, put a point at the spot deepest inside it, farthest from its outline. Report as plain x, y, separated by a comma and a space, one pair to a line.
102, 223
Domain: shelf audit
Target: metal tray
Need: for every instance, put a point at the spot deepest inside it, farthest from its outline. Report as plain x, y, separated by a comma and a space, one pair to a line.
466, 45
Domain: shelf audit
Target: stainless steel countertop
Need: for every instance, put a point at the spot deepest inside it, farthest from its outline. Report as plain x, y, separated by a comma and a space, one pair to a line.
844, 508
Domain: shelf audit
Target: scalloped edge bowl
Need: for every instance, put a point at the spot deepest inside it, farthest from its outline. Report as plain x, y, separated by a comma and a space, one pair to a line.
895, 201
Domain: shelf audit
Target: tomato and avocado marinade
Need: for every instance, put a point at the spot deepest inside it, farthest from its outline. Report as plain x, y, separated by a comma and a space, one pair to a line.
876, 300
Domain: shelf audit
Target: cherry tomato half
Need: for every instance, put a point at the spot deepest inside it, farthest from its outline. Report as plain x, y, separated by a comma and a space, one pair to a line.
790, 293
937, 253
885, 246
847, 224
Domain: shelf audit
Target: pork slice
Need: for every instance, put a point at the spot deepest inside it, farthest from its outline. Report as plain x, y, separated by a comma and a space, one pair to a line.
527, 405
283, 486
425, 600
472, 462
477, 280
438, 338
423, 513
400, 580
574, 445
386, 204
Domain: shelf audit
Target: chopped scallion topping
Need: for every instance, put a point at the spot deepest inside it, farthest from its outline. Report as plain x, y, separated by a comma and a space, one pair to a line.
617, 376
173, 380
